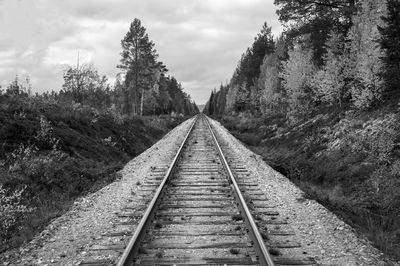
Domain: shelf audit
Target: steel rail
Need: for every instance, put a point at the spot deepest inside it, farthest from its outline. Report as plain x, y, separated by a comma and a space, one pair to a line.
140, 232
262, 252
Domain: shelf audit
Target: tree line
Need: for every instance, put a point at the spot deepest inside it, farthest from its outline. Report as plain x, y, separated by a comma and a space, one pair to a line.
141, 88
339, 53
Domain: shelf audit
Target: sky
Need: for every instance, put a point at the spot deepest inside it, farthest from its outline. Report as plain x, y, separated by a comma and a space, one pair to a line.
200, 41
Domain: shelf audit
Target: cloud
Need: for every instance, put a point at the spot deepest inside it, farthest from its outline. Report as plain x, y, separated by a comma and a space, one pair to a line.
200, 41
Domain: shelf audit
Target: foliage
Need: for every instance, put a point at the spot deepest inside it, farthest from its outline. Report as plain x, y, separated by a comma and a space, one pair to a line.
143, 87
351, 165
317, 19
56, 146
365, 54
83, 84
343, 65
248, 67
57, 152
329, 81
140, 66
390, 42
242, 93
269, 84
11, 211
272, 95
16, 88
315, 112
296, 75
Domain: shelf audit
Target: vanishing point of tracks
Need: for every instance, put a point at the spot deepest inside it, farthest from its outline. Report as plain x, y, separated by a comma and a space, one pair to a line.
206, 211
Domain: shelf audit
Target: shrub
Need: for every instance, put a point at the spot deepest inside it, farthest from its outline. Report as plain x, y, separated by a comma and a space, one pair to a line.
11, 211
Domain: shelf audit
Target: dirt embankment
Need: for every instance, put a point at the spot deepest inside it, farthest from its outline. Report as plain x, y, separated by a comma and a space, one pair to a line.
55, 153
347, 163
321, 233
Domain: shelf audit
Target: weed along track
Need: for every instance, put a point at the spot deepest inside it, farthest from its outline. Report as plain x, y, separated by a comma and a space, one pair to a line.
207, 210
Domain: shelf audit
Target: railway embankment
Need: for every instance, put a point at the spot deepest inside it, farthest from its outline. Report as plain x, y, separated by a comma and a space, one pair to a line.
99, 225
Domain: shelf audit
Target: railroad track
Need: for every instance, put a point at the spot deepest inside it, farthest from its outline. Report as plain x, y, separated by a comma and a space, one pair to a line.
207, 210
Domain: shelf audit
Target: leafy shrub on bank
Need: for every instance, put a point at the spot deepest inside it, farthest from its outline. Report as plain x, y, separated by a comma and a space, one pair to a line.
12, 211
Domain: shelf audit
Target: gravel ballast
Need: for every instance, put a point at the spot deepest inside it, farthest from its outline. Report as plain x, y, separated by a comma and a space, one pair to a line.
321, 233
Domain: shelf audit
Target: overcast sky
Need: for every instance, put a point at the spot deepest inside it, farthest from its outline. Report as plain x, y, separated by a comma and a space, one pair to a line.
200, 41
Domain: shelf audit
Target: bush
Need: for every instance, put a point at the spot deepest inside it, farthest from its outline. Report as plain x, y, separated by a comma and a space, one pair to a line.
12, 211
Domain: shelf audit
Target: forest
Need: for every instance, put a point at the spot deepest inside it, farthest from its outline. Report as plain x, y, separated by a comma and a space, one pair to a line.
59, 145
320, 103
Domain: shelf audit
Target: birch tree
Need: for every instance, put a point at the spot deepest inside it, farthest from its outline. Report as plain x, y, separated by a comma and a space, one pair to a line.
329, 81
366, 54
297, 74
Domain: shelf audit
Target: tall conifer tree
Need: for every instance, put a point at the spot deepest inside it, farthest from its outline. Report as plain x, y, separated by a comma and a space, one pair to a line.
139, 63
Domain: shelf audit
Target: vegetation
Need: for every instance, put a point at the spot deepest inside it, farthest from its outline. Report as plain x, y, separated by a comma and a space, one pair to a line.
57, 146
51, 153
323, 108
142, 82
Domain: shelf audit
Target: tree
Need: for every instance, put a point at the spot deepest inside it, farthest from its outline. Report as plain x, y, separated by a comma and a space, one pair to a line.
390, 43
317, 18
365, 54
248, 68
243, 93
330, 81
221, 104
208, 108
297, 74
216, 105
16, 88
307, 10
231, 97
269, 84
140, 66
272, 96
84, 84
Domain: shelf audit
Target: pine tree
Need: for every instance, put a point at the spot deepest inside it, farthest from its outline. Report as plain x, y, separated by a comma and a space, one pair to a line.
248, 68
390, 43
316, 18
140, 65
221, 104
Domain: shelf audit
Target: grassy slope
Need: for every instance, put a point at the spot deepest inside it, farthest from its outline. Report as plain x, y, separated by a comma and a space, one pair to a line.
91, 149
339, 178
